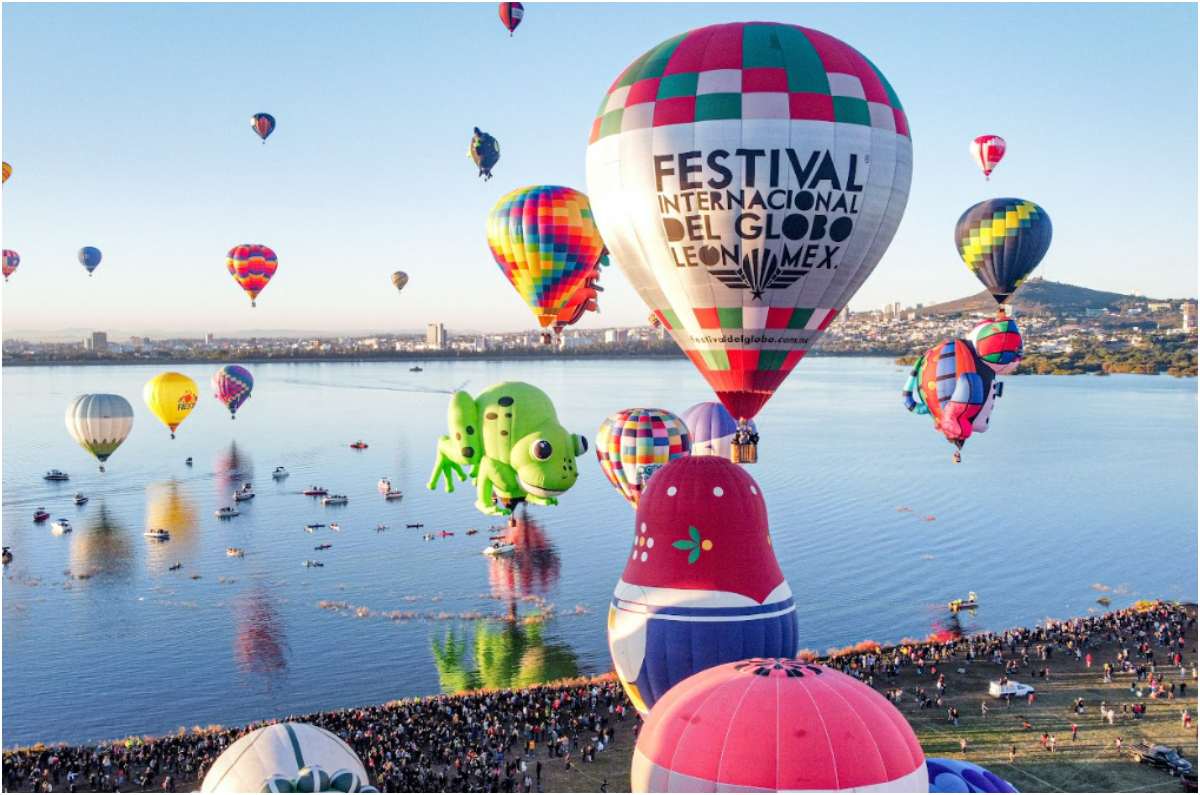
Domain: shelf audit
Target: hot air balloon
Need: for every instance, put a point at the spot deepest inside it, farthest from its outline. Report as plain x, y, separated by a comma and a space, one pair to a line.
957, 775
251, 266
485, 152
511, 15
988, 150
1002, 241
89, 257
747, 178
546, 244
11, 260
998, 342
231, 385
713, 430
7, 171
99, 423
288, 757
776, 725
701, 586
171, 396
263, 125
634, 443
956, 387
399, 280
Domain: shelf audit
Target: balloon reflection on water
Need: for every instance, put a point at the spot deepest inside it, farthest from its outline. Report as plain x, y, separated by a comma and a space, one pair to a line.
168, 507
103, 547
260, 645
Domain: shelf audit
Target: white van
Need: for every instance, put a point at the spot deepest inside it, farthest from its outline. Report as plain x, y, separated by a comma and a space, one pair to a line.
1011, 688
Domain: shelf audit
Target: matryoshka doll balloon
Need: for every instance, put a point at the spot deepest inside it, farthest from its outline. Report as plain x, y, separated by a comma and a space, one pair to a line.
701, 586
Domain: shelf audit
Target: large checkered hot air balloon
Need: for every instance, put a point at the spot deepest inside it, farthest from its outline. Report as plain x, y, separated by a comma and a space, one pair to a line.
251, 265
1002, 241
633, 443
950, 382
546, 244
747, 178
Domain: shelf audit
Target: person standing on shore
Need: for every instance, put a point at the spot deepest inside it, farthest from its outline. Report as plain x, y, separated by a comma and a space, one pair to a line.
1074, 731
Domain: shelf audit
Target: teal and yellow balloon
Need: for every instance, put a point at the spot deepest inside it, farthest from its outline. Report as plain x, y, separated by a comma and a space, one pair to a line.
1002, 241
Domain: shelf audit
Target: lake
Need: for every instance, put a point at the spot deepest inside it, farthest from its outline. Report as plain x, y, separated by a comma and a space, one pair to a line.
1083, 487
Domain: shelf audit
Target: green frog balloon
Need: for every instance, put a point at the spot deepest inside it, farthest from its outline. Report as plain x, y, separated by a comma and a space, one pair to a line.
510, 443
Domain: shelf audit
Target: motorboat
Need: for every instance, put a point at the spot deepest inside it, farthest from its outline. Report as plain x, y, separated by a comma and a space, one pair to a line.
310, 564
416, 369
6, 557
55, 474
499, 548
41, 515
188, 461
335, 527
379, 528
499, 537
385, 484
175, 567
335, 499
472, 531
227, 512
60, 526
970, 603
316, 491
314, 527
158, 534
414, 525
243, 494
280, 473
80, 498
323, 546
235, 552
393, 494
446, 533
359, 445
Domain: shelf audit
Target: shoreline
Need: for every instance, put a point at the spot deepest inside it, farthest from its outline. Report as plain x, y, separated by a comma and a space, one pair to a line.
830, 657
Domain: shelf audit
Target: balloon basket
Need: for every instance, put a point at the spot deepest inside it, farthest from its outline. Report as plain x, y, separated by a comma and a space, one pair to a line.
744, 453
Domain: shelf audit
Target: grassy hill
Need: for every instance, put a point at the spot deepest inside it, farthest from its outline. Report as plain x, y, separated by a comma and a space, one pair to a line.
1034, 297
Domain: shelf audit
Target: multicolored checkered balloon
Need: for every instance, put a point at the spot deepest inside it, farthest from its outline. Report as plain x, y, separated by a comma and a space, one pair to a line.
252, 266
1002, 241
546, 243
998, 342
748, 177
633, 443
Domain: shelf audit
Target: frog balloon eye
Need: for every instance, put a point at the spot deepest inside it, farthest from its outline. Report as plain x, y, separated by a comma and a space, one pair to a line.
581, 445
541, 450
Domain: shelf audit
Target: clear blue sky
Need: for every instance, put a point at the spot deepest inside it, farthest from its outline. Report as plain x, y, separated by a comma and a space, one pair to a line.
128, 129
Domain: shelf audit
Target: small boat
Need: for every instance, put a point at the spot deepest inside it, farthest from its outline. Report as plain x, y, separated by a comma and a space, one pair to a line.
235, 552
335, 527
472, 531
323, 546
428, 536
335, 499
227, 512
6, 557
970, 603
158, 534
394, 494
313, 527
41, 515
499, 548
80, 498
243, 494
280, 473
415, 525
60, 526
316, 491
384, 484
55, 474
309, 564
359, 445
188, 461
499, 537
379, 528
416, 369
176, 567
445, 533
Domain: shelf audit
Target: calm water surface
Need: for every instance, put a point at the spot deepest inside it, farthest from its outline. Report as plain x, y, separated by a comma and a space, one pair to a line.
1081, 483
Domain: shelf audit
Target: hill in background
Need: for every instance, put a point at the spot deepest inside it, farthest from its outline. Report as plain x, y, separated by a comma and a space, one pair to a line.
1036, 297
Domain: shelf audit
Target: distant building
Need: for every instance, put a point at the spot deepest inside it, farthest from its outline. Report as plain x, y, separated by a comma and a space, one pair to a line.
1189, 317
135, 343
435, 336
613, 336
208, 338
97, 343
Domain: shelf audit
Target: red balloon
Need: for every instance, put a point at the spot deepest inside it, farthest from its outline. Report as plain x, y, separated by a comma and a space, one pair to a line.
511, 15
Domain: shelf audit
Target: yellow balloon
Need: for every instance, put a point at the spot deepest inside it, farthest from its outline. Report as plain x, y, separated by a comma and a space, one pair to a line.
171, 396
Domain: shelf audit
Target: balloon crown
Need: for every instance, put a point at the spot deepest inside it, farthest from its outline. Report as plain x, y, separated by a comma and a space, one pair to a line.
778, 666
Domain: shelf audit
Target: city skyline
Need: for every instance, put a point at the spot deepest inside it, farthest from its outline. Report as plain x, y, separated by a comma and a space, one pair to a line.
367, 171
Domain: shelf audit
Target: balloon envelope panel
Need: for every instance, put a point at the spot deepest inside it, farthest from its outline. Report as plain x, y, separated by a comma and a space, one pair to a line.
956, 775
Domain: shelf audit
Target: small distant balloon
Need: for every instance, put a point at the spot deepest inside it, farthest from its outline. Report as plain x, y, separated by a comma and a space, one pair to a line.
89, 257
399, 280
484, 152
988, 150
11, 260
7, 171
263, 125
511, 15
252, 266
232, 385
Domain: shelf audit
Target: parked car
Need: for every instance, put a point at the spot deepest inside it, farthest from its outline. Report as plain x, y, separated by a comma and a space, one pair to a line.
1160, 756
1009, 688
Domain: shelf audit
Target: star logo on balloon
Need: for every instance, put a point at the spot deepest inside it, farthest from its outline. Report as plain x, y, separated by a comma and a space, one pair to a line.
757, 274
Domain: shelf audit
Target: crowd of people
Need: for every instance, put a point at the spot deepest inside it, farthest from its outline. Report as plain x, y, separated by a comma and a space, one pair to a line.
501, 741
